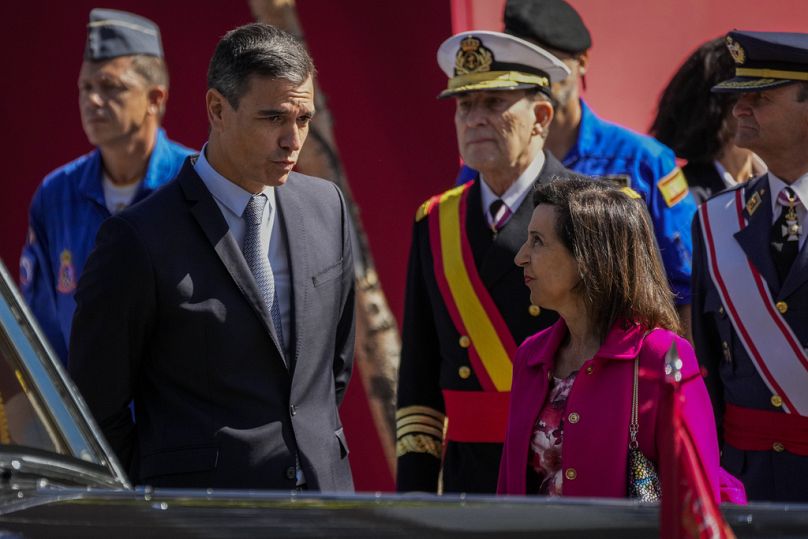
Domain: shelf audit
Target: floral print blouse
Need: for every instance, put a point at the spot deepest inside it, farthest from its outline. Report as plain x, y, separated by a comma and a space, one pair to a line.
544, 460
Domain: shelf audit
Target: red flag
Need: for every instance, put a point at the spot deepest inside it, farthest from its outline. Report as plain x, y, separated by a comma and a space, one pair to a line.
689, 509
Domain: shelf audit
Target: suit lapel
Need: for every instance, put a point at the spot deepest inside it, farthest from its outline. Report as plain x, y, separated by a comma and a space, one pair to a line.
754, 239
291, 210
214, 226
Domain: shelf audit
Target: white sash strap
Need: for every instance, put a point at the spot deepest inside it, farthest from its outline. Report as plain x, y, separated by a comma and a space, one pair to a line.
750, 306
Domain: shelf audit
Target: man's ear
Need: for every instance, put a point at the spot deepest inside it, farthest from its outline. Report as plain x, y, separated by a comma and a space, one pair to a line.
583, 62
157, 96
543, 111
215, 104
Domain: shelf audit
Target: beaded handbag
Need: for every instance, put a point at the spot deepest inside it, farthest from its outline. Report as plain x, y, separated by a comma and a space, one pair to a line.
643, 481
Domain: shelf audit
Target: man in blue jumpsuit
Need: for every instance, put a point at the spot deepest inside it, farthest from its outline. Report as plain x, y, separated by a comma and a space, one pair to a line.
592, 146
123, 88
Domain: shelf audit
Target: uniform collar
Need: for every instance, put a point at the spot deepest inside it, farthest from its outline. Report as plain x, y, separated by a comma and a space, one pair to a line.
586, 134
90, 184
623, 341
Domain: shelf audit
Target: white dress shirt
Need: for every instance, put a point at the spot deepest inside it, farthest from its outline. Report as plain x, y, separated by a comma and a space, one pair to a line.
516, 193
800, 187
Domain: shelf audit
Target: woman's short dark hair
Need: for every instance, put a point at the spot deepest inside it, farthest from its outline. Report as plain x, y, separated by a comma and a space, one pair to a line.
256, 49
691, 119
609, 233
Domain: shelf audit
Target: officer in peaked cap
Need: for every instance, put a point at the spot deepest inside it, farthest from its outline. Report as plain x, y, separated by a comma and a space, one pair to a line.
592, 146
459, 341
750, 323
123, 88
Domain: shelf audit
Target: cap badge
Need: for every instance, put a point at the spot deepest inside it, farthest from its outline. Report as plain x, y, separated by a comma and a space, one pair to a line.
473, 57
736, 51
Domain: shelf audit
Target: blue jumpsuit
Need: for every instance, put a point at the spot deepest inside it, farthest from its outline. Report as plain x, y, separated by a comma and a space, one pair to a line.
65, 214
648, 167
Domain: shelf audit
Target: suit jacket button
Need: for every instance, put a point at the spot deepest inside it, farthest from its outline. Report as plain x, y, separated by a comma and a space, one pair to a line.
778, 447
534, 310
589, 370
464, 341
291, 473
570, 474
464, 372
292, 409
777, 401
573, 417
782, 306
721, 310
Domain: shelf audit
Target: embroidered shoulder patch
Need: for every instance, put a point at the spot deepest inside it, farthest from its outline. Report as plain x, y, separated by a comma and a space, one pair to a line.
673, 187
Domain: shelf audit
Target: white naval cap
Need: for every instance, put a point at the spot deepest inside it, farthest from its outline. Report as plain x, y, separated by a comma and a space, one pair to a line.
483, 60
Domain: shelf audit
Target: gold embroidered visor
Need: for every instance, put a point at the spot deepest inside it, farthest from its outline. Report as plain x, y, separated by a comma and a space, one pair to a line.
494, 80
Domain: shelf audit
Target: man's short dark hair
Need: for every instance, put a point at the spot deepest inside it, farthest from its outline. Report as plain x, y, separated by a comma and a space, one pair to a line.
256, 49
151, 68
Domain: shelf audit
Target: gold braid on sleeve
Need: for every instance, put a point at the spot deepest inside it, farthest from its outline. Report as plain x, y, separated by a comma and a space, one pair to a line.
419, 429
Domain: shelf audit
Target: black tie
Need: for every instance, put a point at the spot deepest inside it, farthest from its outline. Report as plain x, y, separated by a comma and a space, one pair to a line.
785, 233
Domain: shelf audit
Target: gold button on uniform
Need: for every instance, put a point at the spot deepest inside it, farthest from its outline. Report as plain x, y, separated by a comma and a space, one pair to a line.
570, 474
464, 372
573, 417
534, 310
778, 447
721, 310
589, 370
777, 401
464, 341
782, 306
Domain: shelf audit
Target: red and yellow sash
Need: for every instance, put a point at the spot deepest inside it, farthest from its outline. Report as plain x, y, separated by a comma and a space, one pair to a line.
470, 306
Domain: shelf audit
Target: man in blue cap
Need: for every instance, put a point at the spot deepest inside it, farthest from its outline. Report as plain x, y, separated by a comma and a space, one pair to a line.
589, 145
123, 88
750, 275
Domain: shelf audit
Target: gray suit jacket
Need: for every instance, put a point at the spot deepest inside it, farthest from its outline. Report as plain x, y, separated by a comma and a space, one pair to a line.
169, 315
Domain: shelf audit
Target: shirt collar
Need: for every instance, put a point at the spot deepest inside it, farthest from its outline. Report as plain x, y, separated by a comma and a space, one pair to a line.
776, 185
230, 195
516, 193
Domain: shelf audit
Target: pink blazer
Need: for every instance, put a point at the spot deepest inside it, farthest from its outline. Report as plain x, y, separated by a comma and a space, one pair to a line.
595, 448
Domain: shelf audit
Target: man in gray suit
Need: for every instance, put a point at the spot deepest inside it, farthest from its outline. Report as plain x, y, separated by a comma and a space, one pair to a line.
224, 304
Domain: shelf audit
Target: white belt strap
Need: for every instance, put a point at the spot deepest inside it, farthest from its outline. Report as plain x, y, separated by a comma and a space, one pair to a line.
761, 328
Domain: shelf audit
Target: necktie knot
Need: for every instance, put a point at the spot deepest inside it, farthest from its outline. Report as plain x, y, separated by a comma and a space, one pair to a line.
255, 210
500, 213
788, 198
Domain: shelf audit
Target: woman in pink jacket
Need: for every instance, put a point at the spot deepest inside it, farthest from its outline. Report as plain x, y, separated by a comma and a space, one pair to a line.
590, 255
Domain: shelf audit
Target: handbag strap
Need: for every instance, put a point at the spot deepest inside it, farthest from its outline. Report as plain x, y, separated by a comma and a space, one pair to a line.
634, 426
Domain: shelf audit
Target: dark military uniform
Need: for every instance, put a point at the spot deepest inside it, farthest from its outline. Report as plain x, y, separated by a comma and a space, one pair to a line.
435, 356
777, 474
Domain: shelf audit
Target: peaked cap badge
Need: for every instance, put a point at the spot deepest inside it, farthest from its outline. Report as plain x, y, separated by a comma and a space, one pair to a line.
736, 51
473, 57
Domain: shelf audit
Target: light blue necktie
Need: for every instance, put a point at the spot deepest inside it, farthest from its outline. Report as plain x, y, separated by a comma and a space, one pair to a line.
258, 260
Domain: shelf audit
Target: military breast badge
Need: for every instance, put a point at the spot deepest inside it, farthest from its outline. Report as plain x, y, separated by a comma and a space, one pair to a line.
473, 57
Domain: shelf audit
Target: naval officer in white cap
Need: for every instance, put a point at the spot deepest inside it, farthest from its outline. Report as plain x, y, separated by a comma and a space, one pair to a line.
466, 305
